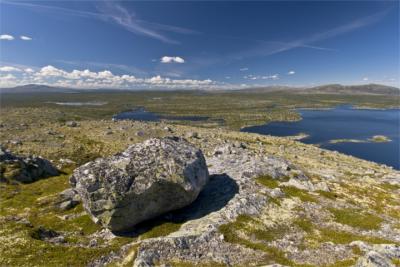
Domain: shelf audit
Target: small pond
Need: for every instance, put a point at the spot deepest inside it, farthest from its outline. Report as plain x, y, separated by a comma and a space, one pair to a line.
141, 114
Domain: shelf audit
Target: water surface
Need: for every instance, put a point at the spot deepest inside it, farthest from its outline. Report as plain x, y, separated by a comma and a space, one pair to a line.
141, 114
344, 122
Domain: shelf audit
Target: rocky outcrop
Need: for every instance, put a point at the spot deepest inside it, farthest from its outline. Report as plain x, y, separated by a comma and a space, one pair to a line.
232, 184
381, 255
24, 169
144, 181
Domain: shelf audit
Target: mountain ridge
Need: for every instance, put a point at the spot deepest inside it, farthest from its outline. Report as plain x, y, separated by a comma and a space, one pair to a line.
363, 89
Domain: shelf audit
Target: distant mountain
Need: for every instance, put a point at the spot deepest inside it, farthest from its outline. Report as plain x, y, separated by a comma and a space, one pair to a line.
367, 89
271, 88
36, 88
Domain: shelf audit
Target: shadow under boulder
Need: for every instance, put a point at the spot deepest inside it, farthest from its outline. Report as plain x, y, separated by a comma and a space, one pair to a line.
215, 195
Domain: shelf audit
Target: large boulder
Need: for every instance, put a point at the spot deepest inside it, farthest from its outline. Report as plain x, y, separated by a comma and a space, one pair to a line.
24, 169
146, 180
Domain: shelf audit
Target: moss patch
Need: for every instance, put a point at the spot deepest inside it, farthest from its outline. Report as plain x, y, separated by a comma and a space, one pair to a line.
342, 237
356, 218
305, 224
268, 181
304, 196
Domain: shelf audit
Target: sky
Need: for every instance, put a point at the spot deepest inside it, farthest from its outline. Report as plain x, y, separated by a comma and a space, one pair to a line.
198, 45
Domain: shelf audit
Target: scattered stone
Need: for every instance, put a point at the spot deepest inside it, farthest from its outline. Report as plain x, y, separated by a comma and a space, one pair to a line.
381, 255
322, 186
24, 169
108, 132
192, 135
168, 129
25, 222
144, 181
42, 233
71, 124
276, 193
69, 198
140, 133
16, 142
239, 145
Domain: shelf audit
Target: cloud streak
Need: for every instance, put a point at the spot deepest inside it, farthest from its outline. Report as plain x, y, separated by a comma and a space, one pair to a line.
115, 13
268, 48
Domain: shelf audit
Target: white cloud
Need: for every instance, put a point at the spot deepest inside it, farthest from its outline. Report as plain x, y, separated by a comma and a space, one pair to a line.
273, 77
8, 77
258, 77
9, 69
167, 59
6, 37
29, 70
25, 38
365, 79
291, 72
244, 69
51, 75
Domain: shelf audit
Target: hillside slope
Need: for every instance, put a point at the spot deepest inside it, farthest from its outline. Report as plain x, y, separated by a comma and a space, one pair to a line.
270, 200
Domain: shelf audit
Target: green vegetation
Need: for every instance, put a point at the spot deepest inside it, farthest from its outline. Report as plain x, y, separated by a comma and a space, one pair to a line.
356, 218
390, 187
162, 229
343, 263
342, 237
380, 139
335, 141
237, 109
305, 224
36, 202
250, 227
327, 194
245, 223
268, 181
396, 262
303, 195
190, 264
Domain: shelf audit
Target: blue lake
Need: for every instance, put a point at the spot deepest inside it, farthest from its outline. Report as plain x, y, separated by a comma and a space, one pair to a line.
344, 122
141, 114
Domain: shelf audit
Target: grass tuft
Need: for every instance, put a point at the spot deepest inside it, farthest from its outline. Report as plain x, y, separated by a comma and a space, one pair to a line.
355, 218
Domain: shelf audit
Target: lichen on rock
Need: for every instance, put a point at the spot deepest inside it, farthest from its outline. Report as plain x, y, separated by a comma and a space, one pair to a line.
144, 181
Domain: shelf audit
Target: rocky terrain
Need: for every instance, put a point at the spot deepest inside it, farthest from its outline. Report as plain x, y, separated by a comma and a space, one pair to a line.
268, 200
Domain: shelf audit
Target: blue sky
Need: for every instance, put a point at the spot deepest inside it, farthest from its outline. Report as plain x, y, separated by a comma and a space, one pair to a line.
131, 44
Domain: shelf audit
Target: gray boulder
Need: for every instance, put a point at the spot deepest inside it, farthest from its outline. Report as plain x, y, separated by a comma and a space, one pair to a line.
24, 169
68, 199
146, 180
